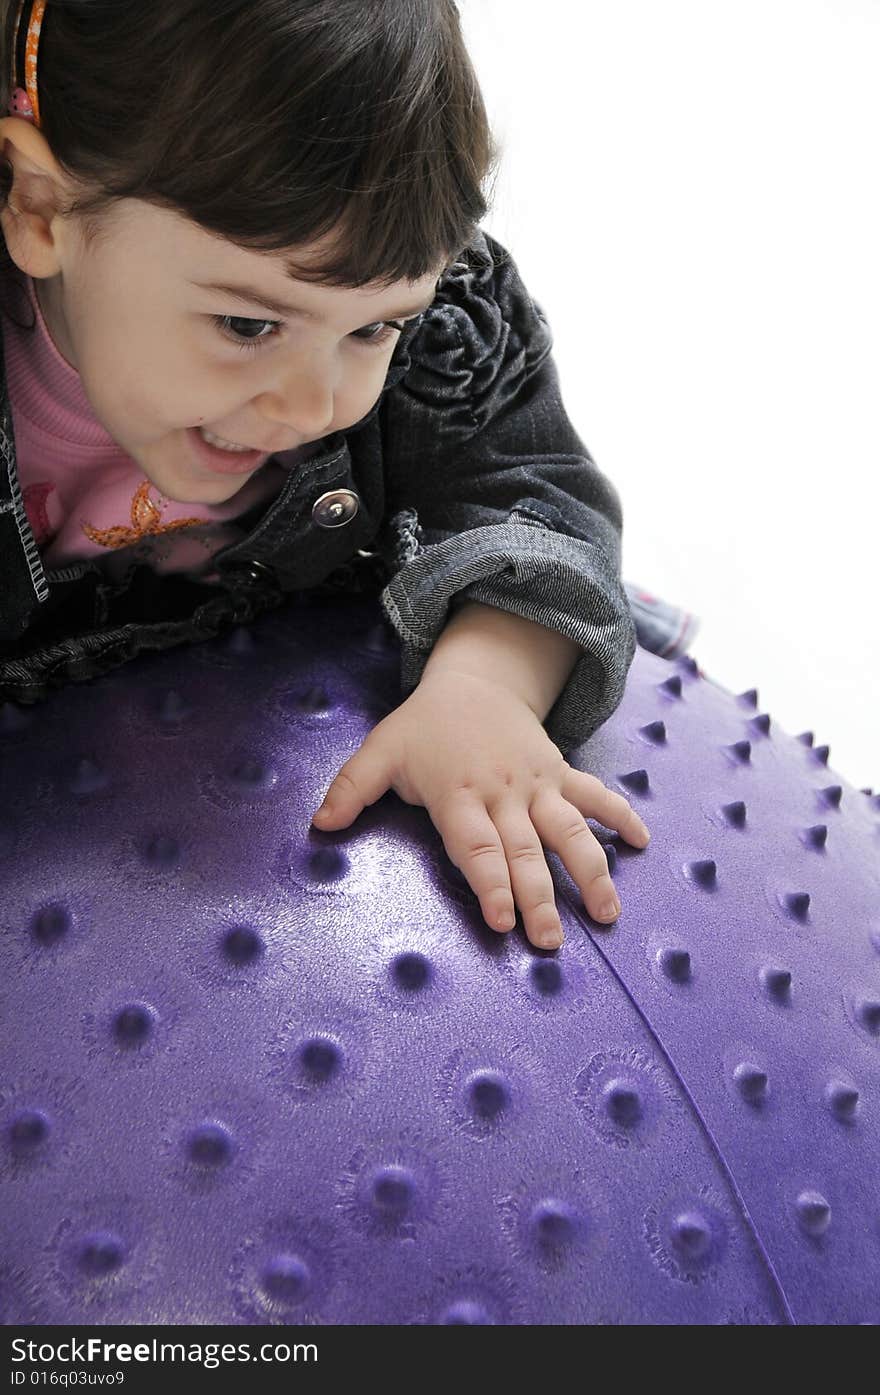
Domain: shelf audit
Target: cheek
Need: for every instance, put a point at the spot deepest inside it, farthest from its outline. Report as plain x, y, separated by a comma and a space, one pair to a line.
164, 382
136, 394
120, 369
363, 383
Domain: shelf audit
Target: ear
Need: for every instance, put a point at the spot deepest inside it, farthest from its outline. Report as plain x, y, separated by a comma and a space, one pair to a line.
32, 218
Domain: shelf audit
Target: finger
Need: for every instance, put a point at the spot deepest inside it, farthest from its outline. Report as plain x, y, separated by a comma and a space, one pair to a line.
596, 801
362, 780
473, 846
563, 829
530, 877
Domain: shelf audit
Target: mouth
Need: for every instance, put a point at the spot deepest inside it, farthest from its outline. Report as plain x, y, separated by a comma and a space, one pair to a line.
224, 462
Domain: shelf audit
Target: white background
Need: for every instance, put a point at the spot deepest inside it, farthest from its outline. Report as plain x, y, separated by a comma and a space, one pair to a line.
691, 191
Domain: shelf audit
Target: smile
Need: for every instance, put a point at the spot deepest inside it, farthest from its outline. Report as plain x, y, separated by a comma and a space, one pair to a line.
220, 442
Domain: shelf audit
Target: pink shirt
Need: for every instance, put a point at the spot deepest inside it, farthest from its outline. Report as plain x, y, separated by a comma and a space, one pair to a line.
84, 495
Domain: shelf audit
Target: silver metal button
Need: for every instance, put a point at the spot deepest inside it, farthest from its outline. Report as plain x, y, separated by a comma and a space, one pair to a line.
334, 508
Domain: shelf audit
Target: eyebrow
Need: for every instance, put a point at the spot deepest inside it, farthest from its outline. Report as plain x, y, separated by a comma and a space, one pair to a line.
251, 295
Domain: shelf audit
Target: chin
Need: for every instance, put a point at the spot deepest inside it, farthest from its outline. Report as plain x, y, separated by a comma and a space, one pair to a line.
205, 492
188, 487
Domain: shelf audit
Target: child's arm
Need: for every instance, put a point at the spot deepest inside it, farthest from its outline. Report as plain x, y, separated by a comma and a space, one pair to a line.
506, 590
530, 660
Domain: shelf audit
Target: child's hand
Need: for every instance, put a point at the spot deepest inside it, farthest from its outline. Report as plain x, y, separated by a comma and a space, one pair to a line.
496, 787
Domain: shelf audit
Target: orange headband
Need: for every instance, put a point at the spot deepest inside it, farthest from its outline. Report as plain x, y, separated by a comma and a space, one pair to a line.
25, 101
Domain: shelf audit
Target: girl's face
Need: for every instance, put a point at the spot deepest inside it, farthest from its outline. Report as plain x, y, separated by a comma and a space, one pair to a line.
159, 352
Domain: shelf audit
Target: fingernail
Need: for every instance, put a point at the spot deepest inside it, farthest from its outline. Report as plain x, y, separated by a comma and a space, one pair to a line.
644, 832
610, 910
551, 939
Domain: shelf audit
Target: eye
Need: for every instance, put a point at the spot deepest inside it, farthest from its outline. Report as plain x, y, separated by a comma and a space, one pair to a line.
374, 334
385, 328
252, 342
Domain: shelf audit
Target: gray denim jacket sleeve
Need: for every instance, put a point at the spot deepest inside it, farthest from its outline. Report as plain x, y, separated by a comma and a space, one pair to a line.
494, 496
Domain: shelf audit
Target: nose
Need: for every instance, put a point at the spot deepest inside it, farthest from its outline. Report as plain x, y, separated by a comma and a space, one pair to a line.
303, 399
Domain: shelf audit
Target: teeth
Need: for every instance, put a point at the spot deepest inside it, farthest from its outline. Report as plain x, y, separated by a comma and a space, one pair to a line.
219, 441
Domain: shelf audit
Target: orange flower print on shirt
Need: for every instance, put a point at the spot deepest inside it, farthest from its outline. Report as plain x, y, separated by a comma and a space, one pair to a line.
145, 520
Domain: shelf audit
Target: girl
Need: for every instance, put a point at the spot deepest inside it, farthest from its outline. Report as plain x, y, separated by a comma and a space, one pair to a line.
254, 341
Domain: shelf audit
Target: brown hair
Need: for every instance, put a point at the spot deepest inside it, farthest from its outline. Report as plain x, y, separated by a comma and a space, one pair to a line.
270, 123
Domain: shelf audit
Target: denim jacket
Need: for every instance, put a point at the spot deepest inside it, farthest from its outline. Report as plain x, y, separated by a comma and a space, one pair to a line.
465, 480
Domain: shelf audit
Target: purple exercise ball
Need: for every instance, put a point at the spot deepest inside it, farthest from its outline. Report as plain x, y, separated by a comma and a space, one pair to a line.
255, 1073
